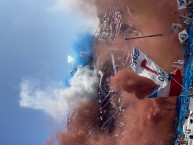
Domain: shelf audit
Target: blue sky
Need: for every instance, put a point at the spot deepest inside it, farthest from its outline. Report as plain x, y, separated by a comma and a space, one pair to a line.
34, 43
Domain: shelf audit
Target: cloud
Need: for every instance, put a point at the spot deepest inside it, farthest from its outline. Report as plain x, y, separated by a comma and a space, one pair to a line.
56, 100
73, 5
85, 9
62, 5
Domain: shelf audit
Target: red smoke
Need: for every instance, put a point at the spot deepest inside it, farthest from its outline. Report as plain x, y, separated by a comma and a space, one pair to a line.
83, 128
129, 82
148, 124
149, 17
81, 125
148, 121
139, 121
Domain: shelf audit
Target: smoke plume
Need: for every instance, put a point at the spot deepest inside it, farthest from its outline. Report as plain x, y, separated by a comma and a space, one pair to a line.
129, 82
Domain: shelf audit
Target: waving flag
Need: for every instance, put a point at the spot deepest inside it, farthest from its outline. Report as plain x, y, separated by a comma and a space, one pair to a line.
144, 66
168, 84
173, 88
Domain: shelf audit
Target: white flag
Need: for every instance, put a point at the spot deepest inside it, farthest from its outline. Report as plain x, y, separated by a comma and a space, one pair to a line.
183, 35
182, 4
144, 66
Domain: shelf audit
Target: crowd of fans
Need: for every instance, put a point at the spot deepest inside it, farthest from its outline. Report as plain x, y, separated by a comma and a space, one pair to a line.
182, 108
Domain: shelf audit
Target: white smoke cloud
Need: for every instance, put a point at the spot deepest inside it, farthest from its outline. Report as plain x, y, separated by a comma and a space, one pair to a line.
56, 100
86, 9
73, 6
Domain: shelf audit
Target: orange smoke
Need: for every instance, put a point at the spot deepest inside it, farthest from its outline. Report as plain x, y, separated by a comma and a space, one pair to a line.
128, 81
144, 122
149, 17
81, 125
147, 121
83, 128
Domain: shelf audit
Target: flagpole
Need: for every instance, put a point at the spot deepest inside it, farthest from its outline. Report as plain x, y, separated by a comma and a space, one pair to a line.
180, 84
154, 35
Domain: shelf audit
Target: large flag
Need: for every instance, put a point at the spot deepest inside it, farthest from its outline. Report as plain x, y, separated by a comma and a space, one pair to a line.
144, 66
173, 88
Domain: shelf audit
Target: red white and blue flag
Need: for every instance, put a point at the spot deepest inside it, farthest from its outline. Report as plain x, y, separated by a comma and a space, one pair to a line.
173, 88
168, 85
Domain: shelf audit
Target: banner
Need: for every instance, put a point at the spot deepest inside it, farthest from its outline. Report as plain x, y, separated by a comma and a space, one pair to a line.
144, 66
